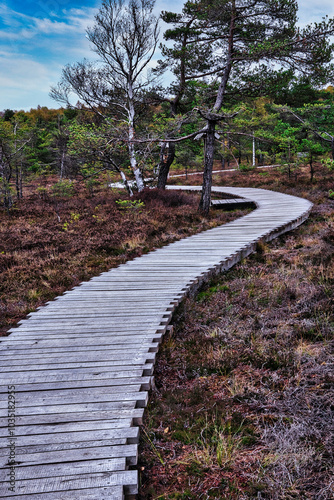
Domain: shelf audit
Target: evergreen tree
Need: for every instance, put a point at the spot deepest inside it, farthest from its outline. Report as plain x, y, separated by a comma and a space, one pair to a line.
227, 40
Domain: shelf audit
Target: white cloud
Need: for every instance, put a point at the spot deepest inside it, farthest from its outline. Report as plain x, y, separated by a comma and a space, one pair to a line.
81, 17
10, 17
34, 49
311, 11
21, 26
46, 26
23, 74
5, 53
25, 83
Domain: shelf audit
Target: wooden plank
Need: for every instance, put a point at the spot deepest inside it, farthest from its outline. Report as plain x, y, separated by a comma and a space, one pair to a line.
77, 408
107, 312
88, 319
74, 483
128, 435
112, 393
64, 469
95, 414
110, 493
26, 347
34, 352
77, 357
63, 368
101, 335
82, 365
31, 403
62, 452
144, 383
28, 456
70, 427
98, 374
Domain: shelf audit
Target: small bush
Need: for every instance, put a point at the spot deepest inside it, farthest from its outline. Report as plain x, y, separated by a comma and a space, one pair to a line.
134, 205
63, 189
42, 192
166, 198
245, 167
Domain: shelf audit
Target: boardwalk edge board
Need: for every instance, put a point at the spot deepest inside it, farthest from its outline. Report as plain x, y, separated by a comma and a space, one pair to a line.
77, 372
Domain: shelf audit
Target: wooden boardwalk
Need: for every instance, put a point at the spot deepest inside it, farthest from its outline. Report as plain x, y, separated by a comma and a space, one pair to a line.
76, 373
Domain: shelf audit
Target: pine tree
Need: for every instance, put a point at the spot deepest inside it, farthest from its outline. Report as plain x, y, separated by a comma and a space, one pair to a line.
227, 40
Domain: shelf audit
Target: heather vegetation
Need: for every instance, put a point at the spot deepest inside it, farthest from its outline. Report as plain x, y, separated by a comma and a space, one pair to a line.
60, 234
243, 404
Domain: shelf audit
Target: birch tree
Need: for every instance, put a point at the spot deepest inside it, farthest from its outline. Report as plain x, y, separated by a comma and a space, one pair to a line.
125, 36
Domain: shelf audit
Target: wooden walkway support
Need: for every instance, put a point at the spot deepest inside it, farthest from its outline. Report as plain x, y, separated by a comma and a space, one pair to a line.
75, 375
233, 203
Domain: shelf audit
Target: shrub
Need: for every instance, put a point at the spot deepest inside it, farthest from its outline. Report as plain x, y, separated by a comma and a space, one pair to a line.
63, 189
165, 198
244, 167
132, 205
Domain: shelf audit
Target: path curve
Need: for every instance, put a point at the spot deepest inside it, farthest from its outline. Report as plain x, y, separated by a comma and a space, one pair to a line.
76, 373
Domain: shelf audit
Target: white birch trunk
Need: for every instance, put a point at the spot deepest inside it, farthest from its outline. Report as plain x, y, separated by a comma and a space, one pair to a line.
253, 151
126, 184
62, 165
132, 154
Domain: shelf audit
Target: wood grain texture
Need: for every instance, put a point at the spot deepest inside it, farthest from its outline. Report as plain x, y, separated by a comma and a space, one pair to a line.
75, 375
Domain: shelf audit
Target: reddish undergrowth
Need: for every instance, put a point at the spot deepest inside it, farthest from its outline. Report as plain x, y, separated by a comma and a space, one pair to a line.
244, 405
51, 240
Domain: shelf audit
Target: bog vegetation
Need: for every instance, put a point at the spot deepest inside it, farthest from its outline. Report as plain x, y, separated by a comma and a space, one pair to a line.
60, 234
243, 403
249, 85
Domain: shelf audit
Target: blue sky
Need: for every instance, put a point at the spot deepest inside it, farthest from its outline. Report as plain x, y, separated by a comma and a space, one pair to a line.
38, 38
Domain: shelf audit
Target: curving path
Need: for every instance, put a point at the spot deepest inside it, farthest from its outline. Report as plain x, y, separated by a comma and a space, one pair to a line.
75, 375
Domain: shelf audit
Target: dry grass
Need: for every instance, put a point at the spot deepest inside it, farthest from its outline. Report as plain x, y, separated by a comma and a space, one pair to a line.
244, 401
48, 243
245, 385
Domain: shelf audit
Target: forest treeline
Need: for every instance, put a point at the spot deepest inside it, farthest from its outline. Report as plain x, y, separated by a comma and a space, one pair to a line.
250, 87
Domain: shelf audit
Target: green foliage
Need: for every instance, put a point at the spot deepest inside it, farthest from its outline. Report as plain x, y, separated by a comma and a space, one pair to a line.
42, 192
63, 189
91, 183
328, 163
8, 115
206, 294
93, 148
15, 137
70, 113
245, 167
297, 93
148, 439
74, 218
40, 155
130, 205
6, 193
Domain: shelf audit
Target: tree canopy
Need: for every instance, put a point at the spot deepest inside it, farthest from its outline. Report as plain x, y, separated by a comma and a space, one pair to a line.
124, 37
229, 41
247, 83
